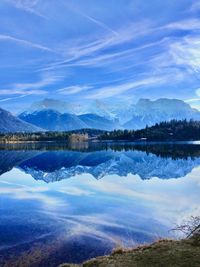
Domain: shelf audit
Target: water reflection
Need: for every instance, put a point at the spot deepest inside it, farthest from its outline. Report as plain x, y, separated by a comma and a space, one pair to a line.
50, 163
107, 194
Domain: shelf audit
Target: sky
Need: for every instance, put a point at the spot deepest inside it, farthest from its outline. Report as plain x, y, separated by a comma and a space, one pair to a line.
116, 50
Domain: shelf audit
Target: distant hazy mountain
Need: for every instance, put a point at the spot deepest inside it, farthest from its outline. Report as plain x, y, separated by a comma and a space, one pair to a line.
95, 107
53, 120
10, 123
98, 122
57, 115
53, 104
147, 112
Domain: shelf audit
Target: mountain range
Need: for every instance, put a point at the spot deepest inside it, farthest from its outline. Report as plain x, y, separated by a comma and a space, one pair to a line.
49, 114
147, 112
10, 123
56, 115
53, 120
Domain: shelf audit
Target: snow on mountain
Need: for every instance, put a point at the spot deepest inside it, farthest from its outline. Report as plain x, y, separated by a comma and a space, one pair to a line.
123, 115
52, 104
95, 107
96, 122
53, 120
147, 112
10, 123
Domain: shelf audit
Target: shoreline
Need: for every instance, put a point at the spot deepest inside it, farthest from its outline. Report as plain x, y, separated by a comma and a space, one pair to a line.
165, 253
196, 142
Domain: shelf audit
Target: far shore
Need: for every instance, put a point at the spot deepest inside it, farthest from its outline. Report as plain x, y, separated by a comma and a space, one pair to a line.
196, 142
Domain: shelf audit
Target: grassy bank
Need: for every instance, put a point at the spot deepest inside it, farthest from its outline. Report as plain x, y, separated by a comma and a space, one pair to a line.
164, 253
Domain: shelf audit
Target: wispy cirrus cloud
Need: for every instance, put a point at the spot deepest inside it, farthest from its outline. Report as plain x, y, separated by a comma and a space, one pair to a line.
195, 7
186, 24
46, 80
95, 45
28, 6
182, 51
90, 18
20, 90
113, 90
186, 52
12, 98
92, 48
195, 101
192, 100
128, 55
70, 90
23, 42
20, 94
106, 50
99, 23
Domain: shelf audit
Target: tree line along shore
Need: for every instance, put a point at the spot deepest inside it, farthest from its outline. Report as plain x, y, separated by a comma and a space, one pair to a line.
173, 130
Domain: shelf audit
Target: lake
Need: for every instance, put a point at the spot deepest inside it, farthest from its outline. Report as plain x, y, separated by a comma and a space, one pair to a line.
68, 203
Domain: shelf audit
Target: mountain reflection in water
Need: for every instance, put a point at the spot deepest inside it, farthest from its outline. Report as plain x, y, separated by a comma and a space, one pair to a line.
52, 163
67, 203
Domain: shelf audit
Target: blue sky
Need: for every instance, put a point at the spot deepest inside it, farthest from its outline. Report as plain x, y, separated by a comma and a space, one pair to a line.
113, 50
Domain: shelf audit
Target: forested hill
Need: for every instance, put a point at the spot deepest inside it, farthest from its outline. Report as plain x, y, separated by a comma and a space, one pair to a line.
165, 131
76, 135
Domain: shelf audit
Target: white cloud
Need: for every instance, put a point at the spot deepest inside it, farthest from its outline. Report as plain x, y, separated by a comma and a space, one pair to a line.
46, 80
198, 92
194, 103
110, 58
193, 99
23, 42
185, 52
73, 89
121, 50
11, 98
25, 89
93, 20
188, 24
28, 6
114, 90
99, 23
93, 53
195, 7
78, 50
22, 92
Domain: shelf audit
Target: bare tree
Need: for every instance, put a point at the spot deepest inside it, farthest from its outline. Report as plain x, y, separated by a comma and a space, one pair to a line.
190, 227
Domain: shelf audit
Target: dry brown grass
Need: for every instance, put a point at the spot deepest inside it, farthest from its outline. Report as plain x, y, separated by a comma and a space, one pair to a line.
163, 253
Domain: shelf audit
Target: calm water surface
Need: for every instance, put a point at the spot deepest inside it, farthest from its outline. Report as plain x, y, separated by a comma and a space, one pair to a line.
61, 203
